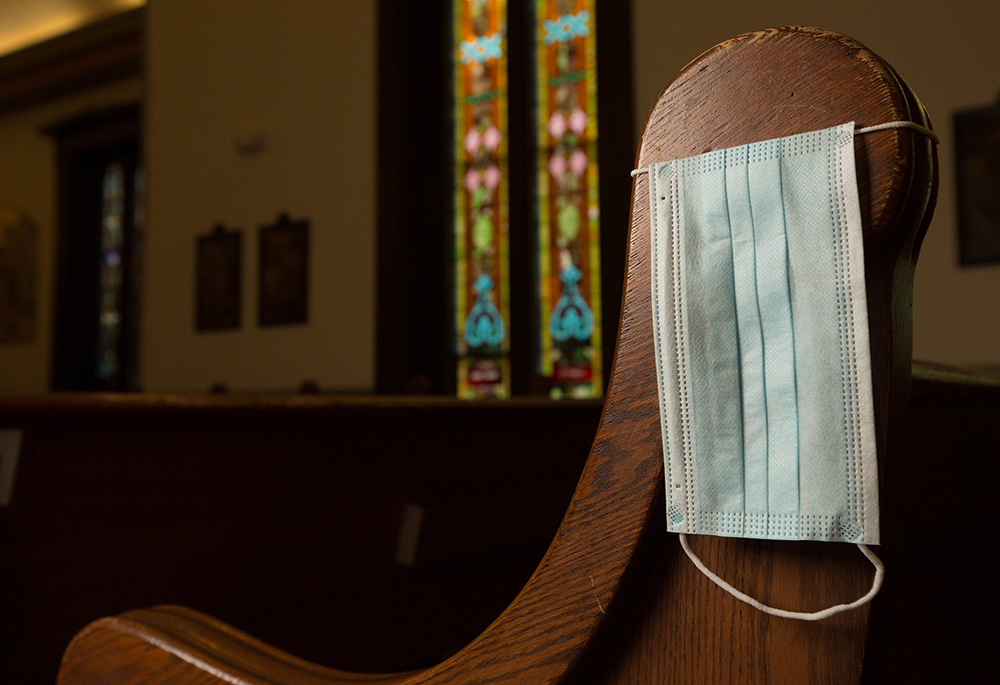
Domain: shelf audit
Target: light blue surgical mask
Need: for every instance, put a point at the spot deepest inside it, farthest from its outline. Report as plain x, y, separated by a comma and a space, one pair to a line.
762, 355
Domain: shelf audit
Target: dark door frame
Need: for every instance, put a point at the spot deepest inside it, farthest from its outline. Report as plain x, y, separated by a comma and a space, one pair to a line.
85, 146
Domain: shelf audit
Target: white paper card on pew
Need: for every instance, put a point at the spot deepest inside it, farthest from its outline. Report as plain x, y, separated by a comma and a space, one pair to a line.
10, 449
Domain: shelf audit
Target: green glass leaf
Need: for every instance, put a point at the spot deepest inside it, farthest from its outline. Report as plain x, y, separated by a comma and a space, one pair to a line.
480, 197
569, 222
482, 232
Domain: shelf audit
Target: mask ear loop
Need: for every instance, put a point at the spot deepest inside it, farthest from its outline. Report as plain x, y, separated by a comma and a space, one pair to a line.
783, 613
912, 125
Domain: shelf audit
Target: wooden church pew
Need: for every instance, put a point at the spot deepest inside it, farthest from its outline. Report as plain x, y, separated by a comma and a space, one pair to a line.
613, 600
281, 515
79, 451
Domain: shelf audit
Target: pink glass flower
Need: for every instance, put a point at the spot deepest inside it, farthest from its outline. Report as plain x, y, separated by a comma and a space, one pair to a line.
492, 177
557, 125
578, 162
473, 141
557, 165
492, 137
578, 121
473, 180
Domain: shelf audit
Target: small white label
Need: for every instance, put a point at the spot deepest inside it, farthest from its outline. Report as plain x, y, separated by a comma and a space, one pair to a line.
411, 522
10, 449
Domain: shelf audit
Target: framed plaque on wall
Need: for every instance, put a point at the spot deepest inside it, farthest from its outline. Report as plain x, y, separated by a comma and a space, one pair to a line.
977, 171
218, 273
284, 272
18, 276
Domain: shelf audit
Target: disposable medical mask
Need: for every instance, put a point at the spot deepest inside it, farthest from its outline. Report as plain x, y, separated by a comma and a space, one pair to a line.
762, 355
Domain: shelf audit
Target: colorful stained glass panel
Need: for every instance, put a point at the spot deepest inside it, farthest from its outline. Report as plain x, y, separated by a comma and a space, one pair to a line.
112, 279
569, 285
482, 295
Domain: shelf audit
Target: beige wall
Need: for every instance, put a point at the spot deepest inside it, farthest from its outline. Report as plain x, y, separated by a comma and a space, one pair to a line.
303, 73
28, 183
947, 51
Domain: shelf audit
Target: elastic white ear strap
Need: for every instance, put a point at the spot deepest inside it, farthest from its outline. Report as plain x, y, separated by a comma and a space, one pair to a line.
867, 129
802, 616
901, 124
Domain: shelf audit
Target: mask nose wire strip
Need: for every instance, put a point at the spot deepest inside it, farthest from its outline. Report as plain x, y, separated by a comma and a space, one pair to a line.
799, 615
867, 129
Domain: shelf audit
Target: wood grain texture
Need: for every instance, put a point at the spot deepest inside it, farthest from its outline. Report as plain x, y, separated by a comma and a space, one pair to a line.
165, 641
279, 515
771, 84
613, 600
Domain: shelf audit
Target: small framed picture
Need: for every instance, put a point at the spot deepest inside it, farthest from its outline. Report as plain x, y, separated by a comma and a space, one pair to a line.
977, 167
218, 280
284, 272
18, 277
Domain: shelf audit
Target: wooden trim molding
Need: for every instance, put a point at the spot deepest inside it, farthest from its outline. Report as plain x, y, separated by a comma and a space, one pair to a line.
103, 51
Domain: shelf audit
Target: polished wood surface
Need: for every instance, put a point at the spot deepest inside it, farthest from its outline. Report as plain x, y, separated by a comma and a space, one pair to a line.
772, 84
281, 516
948, 514
613, 599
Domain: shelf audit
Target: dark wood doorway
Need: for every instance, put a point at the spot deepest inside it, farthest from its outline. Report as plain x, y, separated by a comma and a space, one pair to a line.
95, 333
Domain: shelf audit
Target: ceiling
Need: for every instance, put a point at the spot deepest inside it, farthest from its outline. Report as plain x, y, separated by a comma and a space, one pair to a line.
25, 22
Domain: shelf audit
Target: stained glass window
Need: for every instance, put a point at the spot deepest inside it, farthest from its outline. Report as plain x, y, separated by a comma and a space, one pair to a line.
569, 283
562, 103
112, 278
135, 273
482, 294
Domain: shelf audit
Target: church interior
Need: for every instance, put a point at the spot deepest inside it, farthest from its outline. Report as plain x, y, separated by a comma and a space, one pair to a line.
276, 413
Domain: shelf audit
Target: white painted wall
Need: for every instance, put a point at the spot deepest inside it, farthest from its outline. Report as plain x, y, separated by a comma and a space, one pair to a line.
947, 51
303, 73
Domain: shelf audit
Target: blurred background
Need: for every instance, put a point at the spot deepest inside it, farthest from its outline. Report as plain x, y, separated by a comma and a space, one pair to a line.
338, 113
